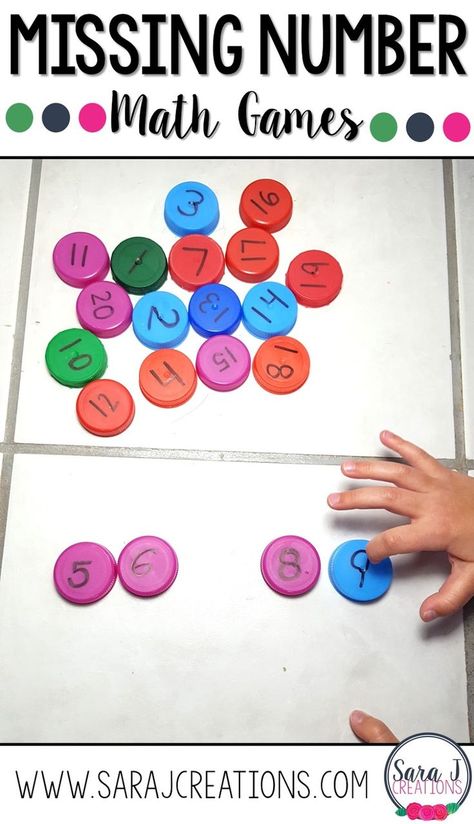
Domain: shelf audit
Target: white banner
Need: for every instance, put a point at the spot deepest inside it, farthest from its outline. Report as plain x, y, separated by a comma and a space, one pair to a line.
209, 79
212, 783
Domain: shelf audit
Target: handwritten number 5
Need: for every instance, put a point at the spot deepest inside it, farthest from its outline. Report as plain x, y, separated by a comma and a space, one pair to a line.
80, 567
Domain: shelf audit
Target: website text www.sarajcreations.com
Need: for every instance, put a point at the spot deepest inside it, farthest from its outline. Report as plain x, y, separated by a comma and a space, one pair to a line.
191, 784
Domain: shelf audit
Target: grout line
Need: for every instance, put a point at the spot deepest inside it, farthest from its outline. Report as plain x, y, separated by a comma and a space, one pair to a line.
458, 404
5, 485
18, 342
190, 454
454, 320
22, 305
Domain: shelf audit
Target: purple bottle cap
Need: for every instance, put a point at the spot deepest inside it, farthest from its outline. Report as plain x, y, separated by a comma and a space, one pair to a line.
85, 573
290, 565
104, 308
80, 258
223, 363
147, 566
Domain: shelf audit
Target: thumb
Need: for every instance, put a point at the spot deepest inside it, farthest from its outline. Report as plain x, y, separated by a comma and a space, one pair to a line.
370, 729
456, 591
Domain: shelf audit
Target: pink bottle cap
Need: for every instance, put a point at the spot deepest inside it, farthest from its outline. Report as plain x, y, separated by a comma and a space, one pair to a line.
223, 363
290, 565
85, 572
80, 258
104, 308
147, 566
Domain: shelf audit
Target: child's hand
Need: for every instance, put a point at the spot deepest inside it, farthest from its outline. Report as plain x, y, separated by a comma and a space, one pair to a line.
370, 729
440, 505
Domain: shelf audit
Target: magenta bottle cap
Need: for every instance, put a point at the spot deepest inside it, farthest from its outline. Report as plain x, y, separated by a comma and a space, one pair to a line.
104, 308
85, 573
80, 258
290, 565
223, 363
147, 566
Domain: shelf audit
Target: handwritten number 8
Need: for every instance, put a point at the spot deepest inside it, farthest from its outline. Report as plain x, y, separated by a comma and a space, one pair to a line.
289, 567
284, 371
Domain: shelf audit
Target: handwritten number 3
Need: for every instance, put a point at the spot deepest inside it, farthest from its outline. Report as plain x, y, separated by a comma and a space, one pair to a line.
194, 203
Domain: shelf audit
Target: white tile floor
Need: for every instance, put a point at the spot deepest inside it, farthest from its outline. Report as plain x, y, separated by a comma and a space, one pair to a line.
220, 656
464, 191
384, 340
14, 186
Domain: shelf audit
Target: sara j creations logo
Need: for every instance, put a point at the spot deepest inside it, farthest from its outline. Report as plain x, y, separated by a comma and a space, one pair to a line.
427, 777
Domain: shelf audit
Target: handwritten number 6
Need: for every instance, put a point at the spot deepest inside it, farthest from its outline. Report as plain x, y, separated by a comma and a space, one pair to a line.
142, 568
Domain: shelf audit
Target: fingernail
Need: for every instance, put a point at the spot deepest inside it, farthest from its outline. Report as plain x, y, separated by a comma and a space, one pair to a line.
386, 432
348, 466
357, 717
334, 499
429, 615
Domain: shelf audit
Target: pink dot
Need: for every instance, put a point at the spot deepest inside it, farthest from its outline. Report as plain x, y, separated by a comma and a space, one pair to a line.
456, 126
92, 117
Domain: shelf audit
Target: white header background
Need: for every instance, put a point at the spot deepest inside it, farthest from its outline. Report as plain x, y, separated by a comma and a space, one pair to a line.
400, 94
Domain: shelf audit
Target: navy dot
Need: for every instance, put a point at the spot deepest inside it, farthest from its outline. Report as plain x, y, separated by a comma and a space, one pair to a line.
420, 127
56, 117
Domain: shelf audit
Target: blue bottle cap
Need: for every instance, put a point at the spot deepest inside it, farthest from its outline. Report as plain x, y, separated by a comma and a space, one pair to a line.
215, 310
160, 320
191, 208
269, 309
355, 577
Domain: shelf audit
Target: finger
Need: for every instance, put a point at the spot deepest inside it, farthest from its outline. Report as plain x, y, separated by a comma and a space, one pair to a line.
395, 473
456, 591
398, 501
398, 541
370, 729
412, 454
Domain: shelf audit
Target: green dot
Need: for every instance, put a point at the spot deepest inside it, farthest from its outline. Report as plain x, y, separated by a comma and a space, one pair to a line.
383, 127
19, 117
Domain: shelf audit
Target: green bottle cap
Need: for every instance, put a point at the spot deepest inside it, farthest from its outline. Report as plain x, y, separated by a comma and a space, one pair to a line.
75, 356
139, 265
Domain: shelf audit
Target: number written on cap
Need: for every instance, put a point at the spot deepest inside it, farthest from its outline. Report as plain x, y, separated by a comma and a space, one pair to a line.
79, 568
102, 311
193, 204
77, 362
289, 564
